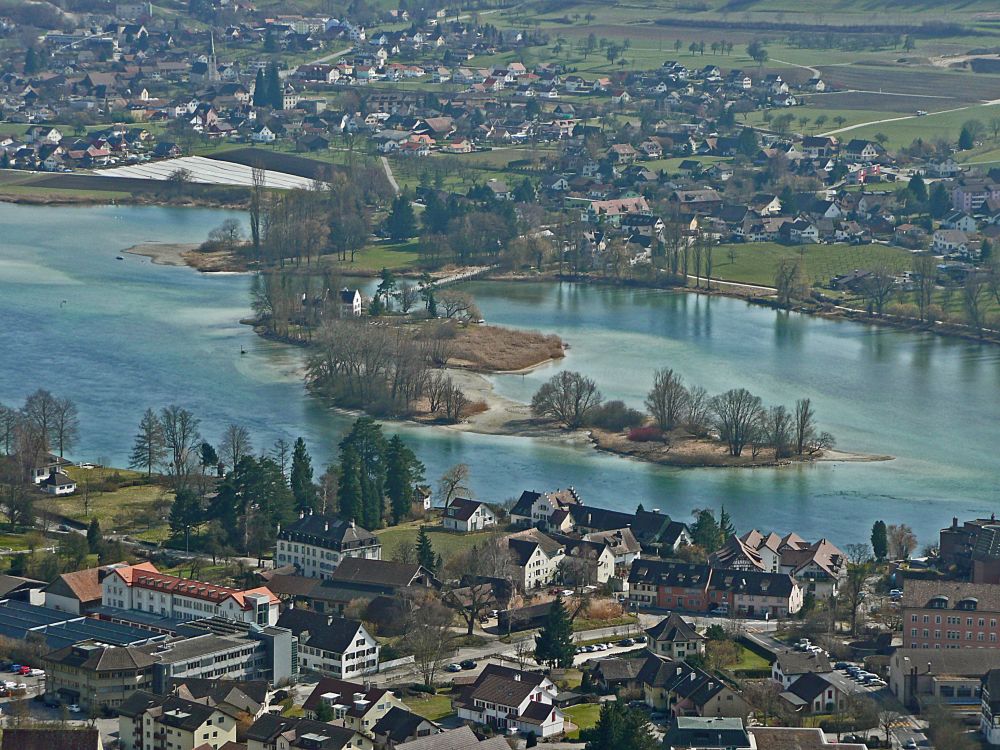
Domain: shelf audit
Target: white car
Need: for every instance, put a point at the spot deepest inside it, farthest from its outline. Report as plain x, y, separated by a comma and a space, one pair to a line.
74, 708
37, 673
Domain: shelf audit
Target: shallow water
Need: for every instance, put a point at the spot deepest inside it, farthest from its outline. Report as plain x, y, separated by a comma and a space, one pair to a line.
121, 336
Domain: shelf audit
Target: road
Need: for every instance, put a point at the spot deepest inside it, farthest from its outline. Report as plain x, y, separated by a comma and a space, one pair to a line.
389, 176
330, 56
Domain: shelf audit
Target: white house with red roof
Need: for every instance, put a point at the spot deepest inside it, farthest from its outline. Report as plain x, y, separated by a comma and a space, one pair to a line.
145, 589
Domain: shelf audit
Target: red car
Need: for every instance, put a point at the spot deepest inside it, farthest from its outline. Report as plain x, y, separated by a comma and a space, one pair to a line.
25, 670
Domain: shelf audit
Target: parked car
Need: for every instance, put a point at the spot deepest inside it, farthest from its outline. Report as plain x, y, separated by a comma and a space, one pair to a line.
15, 668
626, 642
841, 665
453, 668
468, 664
73, 708
910, 744
37, 672
25, 670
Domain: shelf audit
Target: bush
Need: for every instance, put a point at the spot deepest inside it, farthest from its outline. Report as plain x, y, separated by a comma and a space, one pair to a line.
615, 416
421, 688
645, 434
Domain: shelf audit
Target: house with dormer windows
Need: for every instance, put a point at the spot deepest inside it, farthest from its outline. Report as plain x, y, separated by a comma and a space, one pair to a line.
511, 699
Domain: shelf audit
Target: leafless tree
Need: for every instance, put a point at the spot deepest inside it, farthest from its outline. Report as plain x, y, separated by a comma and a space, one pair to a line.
667, 399
735, 413
280, 452
8, 424
902, 541
973, 300
779, 430
40, 412
805, 424
859, 558
408, 295
698, 411
788, 281
257, 198
455, 402
924, 279
568, 397
235, 445
65, 425
181, 438
457, 304
454, 483
428, 636
878, 287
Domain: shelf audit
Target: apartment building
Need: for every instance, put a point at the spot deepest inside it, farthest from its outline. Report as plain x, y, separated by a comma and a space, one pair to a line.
332, 645
143, 588
315, 545
950, 615
155, 722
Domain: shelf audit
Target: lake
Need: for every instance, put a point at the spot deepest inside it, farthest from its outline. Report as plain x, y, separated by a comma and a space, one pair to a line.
119, 336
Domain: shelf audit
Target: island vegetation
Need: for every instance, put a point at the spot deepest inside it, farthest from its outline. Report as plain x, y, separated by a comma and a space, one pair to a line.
683, 425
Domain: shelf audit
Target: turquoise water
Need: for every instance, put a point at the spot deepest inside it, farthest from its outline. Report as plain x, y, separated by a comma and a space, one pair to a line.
132, 335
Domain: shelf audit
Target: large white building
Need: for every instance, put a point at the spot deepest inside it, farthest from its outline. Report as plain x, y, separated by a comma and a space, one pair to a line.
315, 545
145, 589
510, 699
332, 645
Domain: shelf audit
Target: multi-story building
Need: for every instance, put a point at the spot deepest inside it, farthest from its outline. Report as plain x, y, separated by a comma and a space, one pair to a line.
535, 558
332, 645
143, 588
506, 699
463, 514
989, 714
273, 732
315, 545
357, 706
971, 195
951, 615
691, 587
155, 722
953, 677
972, 550
95, 676
818, 566
674, 638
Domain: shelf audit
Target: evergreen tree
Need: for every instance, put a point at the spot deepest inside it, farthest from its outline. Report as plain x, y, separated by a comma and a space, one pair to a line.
436, 214
185, 513
301, 478
401, 224
705, 530
150, 447
940, 201
640, 509
425, 552
272, 87
525, 192
404, 473
965, 140
31, 61
209, 457
369, 444
554, 642
94, 536
270, 41
918, 188
621, 728
260, 98
726, 527
349, 487
880, 540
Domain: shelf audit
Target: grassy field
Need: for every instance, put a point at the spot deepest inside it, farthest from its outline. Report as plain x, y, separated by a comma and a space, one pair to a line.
445, 543
131, 509
373, 258
757, 263
749, 661
433, 707
585, 716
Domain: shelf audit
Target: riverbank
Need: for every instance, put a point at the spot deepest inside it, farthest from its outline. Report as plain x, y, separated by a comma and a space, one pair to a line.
188, 254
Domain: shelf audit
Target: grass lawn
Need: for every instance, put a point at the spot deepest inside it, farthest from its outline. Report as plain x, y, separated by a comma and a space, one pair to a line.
433, 707
128, 509
13, 541
374, 258
584, 716
623, 622
445, 543
749, 661
757, 262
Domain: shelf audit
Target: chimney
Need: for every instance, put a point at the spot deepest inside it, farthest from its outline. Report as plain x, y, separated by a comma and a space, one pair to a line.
679, 670
302, 514
954, 522
694, 676
326, 524
352, 523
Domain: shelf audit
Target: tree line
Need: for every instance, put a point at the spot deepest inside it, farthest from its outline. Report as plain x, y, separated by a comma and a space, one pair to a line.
737, 417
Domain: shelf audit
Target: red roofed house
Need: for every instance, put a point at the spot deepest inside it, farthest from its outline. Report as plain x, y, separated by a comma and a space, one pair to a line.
142, 587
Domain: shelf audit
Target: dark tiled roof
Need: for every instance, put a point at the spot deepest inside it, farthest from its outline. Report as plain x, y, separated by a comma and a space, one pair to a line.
173, 711
325, 632
802, 662
399, 725
668, 573
809, 686
672, 628
322, 736
346, 691
376, 572
329, 532
91, 656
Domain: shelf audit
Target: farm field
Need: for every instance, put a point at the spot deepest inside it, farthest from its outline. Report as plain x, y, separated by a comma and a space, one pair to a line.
946, 125
757, 263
